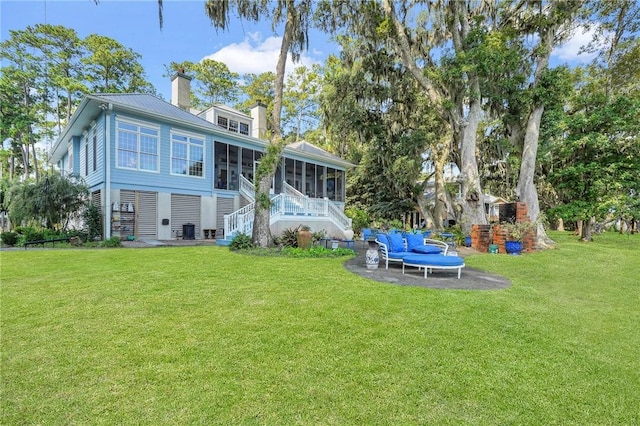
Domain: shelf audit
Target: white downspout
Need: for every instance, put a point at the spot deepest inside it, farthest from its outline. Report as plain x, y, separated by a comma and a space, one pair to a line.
107, 171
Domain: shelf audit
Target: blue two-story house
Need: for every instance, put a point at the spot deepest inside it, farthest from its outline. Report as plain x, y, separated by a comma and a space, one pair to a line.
160, 170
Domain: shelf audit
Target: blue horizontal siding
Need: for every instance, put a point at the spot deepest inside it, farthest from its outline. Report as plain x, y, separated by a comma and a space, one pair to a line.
96, 177
163, 180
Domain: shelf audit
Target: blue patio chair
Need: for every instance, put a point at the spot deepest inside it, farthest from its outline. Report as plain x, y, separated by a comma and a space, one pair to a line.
447, 237
367, 234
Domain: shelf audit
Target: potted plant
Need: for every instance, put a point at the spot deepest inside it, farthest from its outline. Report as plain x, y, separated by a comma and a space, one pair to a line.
467, 241
319, 236
515, 234
305, 236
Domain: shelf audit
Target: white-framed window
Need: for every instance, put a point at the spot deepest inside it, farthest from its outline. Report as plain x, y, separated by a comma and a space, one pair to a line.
137, 146
233, 125
187, 155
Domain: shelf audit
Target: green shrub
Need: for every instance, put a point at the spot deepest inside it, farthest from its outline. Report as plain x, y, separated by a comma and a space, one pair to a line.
29, 233
359, 219
289, 237
241, 242
458, 234
83, 235
92, 221
316, 251
396, 224
48, 234
111, 242
9, 238
317, 236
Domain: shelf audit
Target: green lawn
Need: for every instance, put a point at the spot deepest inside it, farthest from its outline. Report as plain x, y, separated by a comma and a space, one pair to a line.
200, 335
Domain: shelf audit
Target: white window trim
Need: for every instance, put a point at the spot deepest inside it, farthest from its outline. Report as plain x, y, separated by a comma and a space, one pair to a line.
70, 158
204, 152
235, 118
138, 123
94, 148
84, 163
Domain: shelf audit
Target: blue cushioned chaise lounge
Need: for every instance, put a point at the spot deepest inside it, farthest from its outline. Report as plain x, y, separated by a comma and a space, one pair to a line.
417, 251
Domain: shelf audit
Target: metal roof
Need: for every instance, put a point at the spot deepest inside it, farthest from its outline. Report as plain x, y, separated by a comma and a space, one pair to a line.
310, 149
150, 105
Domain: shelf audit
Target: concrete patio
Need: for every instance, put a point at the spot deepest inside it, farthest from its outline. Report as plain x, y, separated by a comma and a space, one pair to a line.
471, 279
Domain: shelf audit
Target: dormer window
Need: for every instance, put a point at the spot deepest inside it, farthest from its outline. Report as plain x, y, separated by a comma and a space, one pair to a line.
233, 124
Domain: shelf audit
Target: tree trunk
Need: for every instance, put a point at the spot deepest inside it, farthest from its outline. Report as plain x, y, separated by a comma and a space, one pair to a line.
24, 149
427, 212
526, 188
587, 227
35, 161
472, 198
262, 214
440, 202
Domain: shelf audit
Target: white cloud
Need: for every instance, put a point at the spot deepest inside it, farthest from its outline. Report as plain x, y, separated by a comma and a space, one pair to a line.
255, 36
570, 50
255, 55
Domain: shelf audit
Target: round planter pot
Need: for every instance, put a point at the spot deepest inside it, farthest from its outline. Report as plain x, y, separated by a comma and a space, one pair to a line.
513, 247
304, 239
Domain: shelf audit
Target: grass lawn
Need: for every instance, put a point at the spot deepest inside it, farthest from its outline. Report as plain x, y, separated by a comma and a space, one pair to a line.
200, 335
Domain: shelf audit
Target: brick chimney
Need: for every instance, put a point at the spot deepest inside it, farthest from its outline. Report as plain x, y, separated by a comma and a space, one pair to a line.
181, 90
259, 115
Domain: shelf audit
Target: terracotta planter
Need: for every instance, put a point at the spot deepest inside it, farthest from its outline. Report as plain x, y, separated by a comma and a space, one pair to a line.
304, 239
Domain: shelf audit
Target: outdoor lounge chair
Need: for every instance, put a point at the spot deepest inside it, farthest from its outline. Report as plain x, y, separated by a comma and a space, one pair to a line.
418, 244
392, 248
429, 262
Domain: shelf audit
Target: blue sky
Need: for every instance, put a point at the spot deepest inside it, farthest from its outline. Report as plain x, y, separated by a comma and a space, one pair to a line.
187, 34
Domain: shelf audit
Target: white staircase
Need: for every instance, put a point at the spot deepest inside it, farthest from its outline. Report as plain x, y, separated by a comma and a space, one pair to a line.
289, 209
247, 189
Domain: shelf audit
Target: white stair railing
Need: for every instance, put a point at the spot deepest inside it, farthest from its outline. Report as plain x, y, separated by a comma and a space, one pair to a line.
290, 190
285, 205
247, 189
338, 216
240, 221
